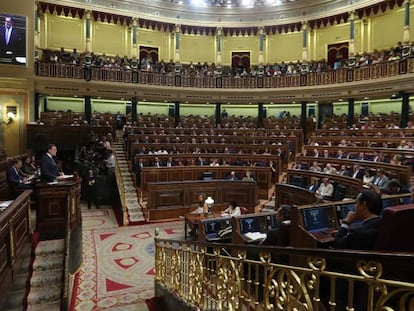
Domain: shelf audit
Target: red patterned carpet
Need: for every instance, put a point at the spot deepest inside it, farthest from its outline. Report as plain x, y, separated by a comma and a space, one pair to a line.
118, 263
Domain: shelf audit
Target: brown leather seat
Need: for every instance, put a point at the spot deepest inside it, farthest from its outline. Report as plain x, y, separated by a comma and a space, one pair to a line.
396, 229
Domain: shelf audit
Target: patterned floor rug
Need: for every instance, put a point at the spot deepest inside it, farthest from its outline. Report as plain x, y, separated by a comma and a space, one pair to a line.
118, 263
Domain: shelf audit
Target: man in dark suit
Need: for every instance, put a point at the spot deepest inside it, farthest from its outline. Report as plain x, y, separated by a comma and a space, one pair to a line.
48, 169
368, 207
280, 236
15, 180
12, 43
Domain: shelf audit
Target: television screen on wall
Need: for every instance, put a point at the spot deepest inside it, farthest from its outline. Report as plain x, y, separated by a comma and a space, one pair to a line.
12, 39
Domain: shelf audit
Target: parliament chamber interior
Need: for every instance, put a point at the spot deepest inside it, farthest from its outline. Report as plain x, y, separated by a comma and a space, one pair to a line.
278, 134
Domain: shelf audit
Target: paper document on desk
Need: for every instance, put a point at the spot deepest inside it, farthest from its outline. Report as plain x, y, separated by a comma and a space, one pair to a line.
31, 177
5, 204
255, 236
66, 176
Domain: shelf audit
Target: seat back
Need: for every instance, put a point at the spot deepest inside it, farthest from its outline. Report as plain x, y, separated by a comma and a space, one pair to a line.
396, 229
339, 192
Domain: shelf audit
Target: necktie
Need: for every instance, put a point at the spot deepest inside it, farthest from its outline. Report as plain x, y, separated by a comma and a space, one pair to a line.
7, 34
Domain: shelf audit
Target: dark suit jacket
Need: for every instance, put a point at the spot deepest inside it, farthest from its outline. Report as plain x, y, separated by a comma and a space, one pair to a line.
13, 177
362, 237
16, 43
48, 169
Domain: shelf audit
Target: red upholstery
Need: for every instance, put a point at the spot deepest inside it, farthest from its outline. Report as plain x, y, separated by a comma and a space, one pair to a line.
396, 230
244, 210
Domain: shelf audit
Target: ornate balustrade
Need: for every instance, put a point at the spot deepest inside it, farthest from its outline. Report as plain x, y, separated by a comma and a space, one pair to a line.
235, 277
377, 71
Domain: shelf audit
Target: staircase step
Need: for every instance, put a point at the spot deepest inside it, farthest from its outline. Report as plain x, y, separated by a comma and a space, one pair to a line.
54, 306
43, 263
50, 247
43, 278
48, 294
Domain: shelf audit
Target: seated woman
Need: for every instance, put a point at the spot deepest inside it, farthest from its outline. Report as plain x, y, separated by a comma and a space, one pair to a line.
232, 210
29, 166
202, 205
248, 176
368, 178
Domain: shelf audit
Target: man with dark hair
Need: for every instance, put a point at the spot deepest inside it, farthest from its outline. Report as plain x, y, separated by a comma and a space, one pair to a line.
48, 168
14, 178
368, 207
11, 41
280, 236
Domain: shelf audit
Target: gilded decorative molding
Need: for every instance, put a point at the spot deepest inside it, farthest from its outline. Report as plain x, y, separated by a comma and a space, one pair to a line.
210, 279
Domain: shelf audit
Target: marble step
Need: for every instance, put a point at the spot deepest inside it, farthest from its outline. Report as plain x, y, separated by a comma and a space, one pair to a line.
44, 278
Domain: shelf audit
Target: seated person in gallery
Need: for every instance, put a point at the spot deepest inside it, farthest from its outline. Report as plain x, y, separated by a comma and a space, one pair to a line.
314, 184
232, 176
395, 187
232, 210
15, 180
325, 190
248, 176
202, 207
280, 236
381, 181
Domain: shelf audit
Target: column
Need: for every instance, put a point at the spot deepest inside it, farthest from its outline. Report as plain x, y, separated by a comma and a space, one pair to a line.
406, 35
351, 56
260, 114
88, 109
218, 114
36, 106
305, 66
261, 51
218, 43
351, 112
405, 108
36, 32
88, 57
134, 104
176, 113
88, 31
303, 120
177, 48
134, 52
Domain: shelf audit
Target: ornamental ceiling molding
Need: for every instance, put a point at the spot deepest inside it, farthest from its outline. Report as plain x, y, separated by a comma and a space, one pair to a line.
74, 8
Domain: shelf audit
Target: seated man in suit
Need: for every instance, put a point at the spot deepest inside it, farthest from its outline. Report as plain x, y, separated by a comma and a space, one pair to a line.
232, 176
280, 236
381, 182
368, 208
15, 180
48, 168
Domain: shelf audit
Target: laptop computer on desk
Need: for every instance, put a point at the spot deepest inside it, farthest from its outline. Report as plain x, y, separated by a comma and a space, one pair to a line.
319, 223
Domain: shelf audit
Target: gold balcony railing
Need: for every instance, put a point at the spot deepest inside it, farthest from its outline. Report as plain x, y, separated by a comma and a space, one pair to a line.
91, 73
238, 277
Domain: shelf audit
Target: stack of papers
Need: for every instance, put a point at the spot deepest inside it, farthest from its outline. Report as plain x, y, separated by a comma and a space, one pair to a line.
255, 236
5, 204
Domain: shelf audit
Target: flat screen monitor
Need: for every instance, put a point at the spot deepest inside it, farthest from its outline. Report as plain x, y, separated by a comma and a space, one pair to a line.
12, 39
272, 222
215, 226
315, 219
344, 210
250, 224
